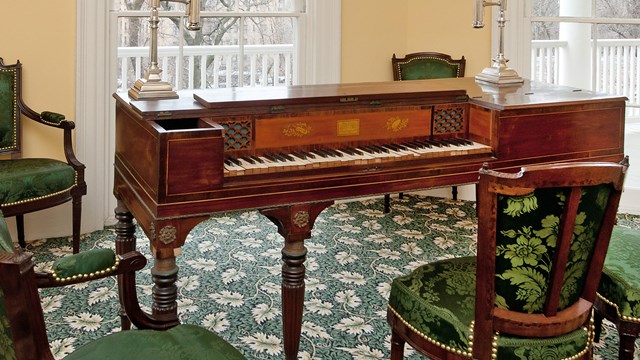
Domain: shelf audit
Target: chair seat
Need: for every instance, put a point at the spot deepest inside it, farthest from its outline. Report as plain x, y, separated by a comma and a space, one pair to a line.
178, 343
438, 300
620, 281
23, 180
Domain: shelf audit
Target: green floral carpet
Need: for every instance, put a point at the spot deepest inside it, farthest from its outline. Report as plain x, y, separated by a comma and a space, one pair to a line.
230, 278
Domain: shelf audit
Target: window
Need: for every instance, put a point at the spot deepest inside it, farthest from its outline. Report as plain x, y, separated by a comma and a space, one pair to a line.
241, 43
590, 44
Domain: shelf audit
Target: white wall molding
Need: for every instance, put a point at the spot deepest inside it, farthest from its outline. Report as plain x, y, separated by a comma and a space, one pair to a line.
93, 109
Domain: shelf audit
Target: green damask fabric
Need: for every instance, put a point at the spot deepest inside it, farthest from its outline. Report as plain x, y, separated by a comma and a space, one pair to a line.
7, 350
7, 109
427, 69
438, 300
27, 179
183, 342
6, 244
52, 117
620, 282
527, 231
85, 262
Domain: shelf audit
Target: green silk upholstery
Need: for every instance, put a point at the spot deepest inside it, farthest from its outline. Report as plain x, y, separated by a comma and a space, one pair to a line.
183, 342
22, 180
438, 299
525, 246
86, 262
52, 117
620, 281
427, 68
8, 111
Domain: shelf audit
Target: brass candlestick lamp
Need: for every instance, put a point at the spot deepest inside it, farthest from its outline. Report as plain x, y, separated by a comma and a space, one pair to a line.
152, 86
499, 73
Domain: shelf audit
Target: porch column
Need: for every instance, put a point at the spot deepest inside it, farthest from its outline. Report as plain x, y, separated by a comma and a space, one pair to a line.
575, 58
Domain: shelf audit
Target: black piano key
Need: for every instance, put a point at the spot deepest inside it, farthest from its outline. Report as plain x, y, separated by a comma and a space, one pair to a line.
248, 159
335, 153
319, 152
286, 156
424, 144
271, 157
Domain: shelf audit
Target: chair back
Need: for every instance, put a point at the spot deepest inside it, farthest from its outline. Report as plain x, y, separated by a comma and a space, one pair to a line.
543, 235
427, 65
22, 327
9, 108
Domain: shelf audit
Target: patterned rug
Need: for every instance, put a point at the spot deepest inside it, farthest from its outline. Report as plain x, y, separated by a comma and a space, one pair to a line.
230, 278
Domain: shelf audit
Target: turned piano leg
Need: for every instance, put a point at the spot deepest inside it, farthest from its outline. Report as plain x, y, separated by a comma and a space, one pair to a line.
294, 224
165, 292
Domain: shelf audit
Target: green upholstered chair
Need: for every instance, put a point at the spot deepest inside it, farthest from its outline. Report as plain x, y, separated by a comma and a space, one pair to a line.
528, 294
421, 66
619, 291
22, 327
32, 184
427, 65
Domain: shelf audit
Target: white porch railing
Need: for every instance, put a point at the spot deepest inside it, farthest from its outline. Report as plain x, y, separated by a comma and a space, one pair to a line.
211, 66
617, 67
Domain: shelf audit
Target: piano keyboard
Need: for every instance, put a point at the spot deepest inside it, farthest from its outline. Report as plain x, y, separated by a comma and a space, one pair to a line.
362, 155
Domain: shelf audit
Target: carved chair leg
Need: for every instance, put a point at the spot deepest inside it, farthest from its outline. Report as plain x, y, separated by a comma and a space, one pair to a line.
454, 192
20, 230
397, 346
387, 203
628, 333
597, 323
77, 215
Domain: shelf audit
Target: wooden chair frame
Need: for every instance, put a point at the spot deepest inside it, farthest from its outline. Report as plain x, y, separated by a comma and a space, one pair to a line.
20, 288
74, 194
551, 322
628, 329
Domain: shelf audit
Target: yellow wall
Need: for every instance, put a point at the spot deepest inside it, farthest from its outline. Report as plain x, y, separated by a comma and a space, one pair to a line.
42, 35
373, 30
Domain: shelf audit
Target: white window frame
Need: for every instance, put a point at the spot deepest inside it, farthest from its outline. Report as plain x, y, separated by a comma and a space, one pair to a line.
517, 48
95, 83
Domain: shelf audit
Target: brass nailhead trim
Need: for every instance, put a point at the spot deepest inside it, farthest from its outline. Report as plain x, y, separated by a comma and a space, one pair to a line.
15, 110
466, 354
75, 183
623, 317
87, 276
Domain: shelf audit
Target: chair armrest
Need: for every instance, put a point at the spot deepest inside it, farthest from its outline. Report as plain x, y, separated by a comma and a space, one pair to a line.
53, 119
90, 265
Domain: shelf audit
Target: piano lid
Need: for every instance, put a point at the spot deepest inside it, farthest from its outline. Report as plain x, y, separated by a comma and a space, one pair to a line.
328, 93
